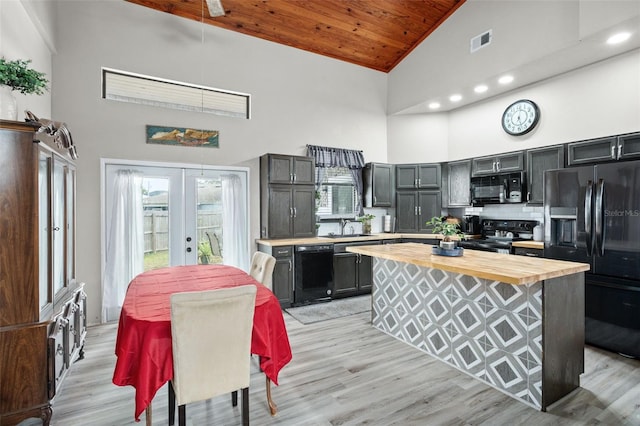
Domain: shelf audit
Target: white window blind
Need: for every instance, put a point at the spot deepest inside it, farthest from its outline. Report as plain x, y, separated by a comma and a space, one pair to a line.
146, 90
337, 193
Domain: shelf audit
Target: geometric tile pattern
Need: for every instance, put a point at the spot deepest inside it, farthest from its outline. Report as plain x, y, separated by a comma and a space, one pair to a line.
489, 329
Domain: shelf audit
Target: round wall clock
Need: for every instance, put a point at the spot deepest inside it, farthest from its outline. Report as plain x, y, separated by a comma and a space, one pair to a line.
520, 117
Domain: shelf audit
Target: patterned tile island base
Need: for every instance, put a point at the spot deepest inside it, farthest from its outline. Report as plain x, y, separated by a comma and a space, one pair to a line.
524, 340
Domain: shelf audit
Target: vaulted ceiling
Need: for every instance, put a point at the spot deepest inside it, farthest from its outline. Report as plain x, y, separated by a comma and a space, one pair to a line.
376, 34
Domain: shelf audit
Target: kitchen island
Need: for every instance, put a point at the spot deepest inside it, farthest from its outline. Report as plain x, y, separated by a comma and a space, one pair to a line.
513, 322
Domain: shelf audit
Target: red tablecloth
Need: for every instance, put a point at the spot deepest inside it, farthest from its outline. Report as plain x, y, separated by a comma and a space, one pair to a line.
143, 345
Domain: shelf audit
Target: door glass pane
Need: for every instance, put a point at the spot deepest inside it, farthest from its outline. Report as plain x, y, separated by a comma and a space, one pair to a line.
209, 220
59, 226
71, 220
43, 230
155, 202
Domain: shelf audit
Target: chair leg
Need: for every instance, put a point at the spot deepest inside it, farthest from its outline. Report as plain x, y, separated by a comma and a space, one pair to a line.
182, 415
234, 398
245, 406
172, 404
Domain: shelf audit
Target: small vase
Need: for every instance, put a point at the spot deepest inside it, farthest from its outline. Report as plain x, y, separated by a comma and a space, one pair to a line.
448, 245
8, 104
366, 227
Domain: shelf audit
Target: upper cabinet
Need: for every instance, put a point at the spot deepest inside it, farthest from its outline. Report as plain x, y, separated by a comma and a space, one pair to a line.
290, 169
538, 161
459, 179
612, 148
378, 185
418, 176
503, 163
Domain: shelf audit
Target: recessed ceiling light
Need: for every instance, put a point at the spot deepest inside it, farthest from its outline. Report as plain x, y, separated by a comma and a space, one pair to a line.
618, 38
455, 98
480, 88
505, 79
434, 105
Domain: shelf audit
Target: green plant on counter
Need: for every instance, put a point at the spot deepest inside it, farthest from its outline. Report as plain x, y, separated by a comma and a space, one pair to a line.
446, 229
366, 222
18, 76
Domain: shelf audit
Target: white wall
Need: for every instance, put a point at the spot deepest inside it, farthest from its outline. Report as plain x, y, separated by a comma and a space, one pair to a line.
29, 36
598, 100
298, 98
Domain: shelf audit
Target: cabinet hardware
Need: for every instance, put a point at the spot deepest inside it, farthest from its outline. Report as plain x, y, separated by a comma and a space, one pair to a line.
420, 210
294, 177
529, 195
57, 228
295, 212
291, 177
415, 211
290, 211
283, 251
619, 151
613, 152
375, 200
290, 266
497, 165
59, 350
415, 183
419, 182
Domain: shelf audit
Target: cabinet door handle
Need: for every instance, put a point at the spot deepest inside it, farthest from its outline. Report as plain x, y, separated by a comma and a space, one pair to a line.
375, 200
290, 266
415, 183
419, 182
415, 211
619, 151
613, 152
290, 211
529, 195
294, 177
291, 177
497, 165
283, 251
295, 212
420, 210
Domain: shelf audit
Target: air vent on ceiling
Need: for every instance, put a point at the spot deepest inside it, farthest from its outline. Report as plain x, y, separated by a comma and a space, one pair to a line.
481, 41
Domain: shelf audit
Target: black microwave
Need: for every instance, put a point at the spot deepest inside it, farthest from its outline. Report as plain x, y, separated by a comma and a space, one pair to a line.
498, 188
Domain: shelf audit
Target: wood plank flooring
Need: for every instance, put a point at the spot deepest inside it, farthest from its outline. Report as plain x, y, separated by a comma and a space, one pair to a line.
345, 372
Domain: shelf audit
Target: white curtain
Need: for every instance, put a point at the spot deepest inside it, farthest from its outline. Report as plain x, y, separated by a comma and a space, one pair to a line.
235, 251
125, 242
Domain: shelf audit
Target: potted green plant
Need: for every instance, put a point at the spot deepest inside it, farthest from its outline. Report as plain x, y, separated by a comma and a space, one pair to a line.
366, 222
204, 252
447, 230
17, 76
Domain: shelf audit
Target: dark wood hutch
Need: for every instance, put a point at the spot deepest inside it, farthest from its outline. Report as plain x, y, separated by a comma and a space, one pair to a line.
42, 306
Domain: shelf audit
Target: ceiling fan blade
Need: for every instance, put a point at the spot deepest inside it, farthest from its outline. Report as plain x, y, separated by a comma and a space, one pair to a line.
215, 8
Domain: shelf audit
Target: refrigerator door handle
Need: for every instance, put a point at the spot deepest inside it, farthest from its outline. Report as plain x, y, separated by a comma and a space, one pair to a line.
599, 217
587, 217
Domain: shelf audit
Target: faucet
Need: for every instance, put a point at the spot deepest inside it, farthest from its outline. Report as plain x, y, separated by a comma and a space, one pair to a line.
343, 223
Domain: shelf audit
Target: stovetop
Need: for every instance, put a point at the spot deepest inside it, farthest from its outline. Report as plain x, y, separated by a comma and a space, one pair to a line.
497, 235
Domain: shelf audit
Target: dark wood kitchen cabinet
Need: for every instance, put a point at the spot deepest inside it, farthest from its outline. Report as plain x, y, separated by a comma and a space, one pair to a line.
378, 180
418, 176
289, 169
538, 161
415, 208
287, 209
42, 306
282, 272
502, 163
352, 273
459, 183
612, 148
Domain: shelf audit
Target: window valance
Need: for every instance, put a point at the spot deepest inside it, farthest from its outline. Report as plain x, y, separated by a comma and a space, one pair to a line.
336, 157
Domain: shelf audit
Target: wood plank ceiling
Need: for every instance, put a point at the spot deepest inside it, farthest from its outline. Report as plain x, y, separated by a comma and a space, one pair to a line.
376, 34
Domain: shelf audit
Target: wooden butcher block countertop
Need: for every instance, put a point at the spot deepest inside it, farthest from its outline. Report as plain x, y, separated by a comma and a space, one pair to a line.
492, 266
529, 244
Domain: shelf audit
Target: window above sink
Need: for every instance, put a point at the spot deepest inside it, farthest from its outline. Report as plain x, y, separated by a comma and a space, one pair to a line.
337, 195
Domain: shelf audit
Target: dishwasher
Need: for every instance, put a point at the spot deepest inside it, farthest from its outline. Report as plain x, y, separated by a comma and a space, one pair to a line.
313, 274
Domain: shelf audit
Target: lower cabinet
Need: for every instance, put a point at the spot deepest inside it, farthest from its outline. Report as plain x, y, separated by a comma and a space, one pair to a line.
282, 272
352, 273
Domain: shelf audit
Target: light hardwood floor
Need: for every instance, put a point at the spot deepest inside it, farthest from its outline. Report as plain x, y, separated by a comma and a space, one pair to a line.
344, 372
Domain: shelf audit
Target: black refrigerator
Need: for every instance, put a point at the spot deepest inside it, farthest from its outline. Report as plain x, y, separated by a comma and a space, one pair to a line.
592, 215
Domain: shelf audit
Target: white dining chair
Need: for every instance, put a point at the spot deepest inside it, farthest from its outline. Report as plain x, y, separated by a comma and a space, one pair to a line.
261, 270
211, 341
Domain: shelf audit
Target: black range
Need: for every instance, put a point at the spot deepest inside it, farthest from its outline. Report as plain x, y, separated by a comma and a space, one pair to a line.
498, 234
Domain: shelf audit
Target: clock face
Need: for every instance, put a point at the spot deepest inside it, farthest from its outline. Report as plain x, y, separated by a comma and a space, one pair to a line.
520, 117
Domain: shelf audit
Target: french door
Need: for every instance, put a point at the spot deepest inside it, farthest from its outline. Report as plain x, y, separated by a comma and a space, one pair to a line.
183, 212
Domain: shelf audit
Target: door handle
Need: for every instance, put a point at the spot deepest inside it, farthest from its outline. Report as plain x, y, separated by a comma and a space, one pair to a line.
295, 212
599, 217
588, 203
419, 182
493, 166
415, 211
294, 178
420, 210
613, 152
290, 211
290, 266
619, 152
415, 183
497, 165
375, 200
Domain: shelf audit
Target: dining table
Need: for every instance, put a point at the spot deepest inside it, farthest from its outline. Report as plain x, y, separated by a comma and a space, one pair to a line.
143, 344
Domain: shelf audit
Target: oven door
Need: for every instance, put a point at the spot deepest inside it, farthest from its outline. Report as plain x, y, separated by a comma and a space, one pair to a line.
486, 245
